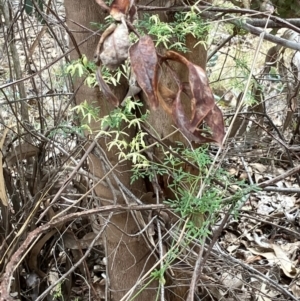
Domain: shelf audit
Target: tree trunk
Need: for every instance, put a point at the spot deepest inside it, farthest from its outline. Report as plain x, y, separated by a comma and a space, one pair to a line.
128, 257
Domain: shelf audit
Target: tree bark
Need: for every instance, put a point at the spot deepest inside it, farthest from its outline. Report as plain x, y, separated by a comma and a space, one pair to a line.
128, 257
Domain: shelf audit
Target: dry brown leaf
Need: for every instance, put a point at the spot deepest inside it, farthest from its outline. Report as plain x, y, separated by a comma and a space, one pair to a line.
291, 248
232, 281
183, 123
144, 62
252, 259
108, 31
115, 47
278, 257
264, 290
202, 96
259, 167
233, 171
203, 107
214, 120
286, 264
232, 248
295, 288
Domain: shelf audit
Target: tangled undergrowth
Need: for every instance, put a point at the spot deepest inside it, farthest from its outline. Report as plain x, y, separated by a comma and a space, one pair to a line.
52, 220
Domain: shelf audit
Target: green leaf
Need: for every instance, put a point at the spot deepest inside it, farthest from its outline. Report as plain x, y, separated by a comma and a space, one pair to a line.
80, 69
28, 7
41, 7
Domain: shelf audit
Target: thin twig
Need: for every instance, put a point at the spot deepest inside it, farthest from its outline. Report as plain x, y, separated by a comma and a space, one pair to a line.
280, 177
281, 189
261, 220
11, 265
210, 12
78, 263
221, 45
207, 12
160, 247
71, 176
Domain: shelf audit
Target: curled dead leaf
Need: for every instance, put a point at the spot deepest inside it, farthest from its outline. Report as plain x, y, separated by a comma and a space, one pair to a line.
203, 107
202, 96
115, 47
144, 63
183, 122
278, 257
